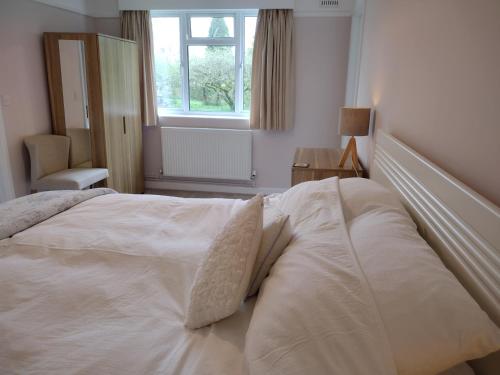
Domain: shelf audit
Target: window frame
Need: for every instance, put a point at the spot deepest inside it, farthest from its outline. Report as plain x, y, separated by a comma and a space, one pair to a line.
186, 40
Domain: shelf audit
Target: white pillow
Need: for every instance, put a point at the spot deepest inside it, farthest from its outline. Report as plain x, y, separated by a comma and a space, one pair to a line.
221, 282
313, 314
276, 234
431, 321
360, 195
460, 369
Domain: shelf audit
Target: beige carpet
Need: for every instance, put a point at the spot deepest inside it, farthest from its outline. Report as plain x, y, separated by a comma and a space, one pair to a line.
198, 194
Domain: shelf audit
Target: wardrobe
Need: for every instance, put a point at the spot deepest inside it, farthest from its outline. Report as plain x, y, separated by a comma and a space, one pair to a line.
93, 84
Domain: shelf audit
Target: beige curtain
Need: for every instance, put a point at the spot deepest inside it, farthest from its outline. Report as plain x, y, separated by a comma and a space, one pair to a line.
136, 25
273, 93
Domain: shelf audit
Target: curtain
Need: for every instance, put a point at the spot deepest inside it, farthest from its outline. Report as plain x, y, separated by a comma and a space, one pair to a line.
6, 185
136, 25
273, 80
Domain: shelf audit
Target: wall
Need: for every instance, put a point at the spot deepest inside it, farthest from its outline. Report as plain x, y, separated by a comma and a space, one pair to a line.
93, 8
302, 7
108, 26
432, 71
321, 55
6, 185
23, 84
322, 46
203, 4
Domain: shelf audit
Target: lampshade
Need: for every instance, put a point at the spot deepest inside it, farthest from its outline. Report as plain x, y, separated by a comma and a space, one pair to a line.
354, 121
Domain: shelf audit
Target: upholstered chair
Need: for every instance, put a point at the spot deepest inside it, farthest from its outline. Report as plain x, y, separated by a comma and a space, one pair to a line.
49, 157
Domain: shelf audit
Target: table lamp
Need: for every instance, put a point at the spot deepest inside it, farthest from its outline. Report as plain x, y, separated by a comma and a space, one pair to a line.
353, 122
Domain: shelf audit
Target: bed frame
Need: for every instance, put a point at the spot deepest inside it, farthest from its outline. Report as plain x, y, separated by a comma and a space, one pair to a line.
460, 225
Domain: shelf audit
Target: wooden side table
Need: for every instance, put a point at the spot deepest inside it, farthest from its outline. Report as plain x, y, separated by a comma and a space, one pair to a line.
322, 163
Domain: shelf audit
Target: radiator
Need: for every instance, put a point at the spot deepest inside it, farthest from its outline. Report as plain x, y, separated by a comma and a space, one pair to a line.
214, 154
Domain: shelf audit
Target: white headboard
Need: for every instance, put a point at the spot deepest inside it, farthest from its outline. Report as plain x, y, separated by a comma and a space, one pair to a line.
459, 224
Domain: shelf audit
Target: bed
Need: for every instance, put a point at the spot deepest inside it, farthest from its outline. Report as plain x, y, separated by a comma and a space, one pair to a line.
102, 287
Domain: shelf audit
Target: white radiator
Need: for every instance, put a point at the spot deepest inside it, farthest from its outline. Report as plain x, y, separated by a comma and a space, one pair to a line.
218, 154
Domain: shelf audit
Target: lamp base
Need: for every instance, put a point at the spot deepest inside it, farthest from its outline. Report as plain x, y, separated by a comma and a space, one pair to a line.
350, 149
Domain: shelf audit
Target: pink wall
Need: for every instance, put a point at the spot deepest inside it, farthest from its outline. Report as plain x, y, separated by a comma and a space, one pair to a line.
321, 53
23, 83
432, 71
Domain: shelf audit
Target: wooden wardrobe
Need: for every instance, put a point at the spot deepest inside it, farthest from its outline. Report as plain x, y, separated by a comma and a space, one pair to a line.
109, 101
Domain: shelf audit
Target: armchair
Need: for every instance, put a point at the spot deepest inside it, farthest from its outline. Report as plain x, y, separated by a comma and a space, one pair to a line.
49, 159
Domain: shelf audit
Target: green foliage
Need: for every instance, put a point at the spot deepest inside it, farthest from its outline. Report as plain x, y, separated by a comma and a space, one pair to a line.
218, 28
211, 76
247, 79
168, 82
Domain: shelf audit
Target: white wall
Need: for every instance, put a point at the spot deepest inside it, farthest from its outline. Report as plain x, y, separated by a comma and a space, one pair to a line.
431, 69
6, 183
23, 77
321, 55
203, 4
93, 8
108, 26
110, 8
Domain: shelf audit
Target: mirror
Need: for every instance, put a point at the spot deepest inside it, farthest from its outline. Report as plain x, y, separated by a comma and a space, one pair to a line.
75, 99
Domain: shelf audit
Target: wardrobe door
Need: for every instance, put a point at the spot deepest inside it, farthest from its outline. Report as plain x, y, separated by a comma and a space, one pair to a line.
113, 97
133, 117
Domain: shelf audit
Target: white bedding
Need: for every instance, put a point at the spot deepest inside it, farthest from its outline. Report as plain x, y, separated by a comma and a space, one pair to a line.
315, 313
102, 287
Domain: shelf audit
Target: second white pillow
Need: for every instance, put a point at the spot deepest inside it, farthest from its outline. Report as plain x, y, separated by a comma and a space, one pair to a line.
276, 234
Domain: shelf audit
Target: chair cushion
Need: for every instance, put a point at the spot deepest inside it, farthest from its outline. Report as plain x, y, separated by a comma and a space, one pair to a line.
71, 179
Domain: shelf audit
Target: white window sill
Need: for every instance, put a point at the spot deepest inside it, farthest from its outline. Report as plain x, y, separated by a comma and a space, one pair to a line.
203, 121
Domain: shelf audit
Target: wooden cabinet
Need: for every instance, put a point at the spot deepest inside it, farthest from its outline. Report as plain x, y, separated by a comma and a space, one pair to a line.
111, 82
133, 119
319, 163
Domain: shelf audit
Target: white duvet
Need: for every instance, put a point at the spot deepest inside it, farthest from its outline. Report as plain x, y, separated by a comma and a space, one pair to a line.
102, 288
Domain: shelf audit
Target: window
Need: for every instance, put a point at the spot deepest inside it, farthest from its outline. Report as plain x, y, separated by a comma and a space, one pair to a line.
203, 62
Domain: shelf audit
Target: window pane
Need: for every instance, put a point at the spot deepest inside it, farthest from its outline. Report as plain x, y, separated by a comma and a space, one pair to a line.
166, 44
250, 24
211, 78
212, 27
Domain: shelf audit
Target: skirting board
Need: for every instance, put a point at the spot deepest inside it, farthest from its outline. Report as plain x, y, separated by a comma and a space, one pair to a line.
172, 185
